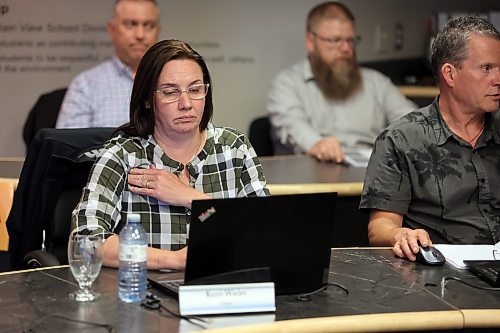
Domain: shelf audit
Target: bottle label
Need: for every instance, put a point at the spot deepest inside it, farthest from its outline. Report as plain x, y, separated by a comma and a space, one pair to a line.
137, 253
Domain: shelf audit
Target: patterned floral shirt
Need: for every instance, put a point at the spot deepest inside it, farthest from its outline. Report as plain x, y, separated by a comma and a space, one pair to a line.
227, 167
438, 181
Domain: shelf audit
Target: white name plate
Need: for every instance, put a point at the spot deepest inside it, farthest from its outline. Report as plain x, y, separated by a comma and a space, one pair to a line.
227, 298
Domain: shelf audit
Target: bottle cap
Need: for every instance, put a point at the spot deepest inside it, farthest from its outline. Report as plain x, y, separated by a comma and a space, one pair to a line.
134, 217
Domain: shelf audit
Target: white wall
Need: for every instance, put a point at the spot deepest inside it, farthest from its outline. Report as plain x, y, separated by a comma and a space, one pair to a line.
245, 44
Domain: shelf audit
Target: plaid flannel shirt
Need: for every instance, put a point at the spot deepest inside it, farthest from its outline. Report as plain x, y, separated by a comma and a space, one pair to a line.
226, 167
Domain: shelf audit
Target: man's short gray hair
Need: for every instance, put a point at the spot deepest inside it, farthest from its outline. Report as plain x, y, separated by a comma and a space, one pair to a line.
452, 42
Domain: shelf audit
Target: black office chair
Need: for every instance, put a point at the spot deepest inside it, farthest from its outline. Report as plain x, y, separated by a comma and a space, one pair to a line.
58, 229
43, 114
260, 136
55, 170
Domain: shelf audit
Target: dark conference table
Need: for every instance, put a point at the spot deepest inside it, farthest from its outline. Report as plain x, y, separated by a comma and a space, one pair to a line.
290, 174
385, 293
285, 174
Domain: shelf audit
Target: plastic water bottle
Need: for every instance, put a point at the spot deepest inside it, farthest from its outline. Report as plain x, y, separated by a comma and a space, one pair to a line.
132, 274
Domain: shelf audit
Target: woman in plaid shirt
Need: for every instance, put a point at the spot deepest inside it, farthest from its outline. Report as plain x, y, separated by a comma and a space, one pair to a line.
168, 155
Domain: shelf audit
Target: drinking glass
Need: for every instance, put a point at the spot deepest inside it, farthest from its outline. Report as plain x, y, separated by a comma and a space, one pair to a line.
85, 254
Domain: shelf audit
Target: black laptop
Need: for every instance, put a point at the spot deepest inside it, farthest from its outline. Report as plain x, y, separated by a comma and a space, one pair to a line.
281, 238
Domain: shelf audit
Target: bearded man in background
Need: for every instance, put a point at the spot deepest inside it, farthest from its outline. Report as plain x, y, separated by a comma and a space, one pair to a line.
327, 102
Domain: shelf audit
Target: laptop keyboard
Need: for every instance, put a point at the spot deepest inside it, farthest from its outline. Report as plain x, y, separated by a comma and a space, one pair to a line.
491, 275
489, 270
172, 285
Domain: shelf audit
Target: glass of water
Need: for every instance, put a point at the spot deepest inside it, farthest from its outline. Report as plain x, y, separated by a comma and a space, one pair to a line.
85, 252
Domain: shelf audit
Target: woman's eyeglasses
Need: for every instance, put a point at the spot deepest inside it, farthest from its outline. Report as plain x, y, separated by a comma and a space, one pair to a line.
173, 94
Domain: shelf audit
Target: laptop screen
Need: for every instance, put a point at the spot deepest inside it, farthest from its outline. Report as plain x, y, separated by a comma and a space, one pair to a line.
287, 234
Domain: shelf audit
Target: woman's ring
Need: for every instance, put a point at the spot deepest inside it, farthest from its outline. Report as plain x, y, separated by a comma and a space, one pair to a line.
147, 184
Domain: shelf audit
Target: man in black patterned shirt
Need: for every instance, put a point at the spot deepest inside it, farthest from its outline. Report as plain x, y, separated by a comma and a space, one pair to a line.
166, 157
435, 173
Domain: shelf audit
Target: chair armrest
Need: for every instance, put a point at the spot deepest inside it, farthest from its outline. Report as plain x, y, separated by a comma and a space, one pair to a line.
39, 258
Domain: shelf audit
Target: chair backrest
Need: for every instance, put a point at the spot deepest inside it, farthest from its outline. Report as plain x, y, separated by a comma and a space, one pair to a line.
7, 187
55, 170
260, 136
43, 114
56, 241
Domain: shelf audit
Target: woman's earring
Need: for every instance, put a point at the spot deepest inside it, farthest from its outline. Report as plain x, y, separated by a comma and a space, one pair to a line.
147, 105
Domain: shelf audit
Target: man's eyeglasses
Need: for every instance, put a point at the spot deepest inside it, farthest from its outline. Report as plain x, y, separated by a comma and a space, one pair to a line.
337, 41
172, 94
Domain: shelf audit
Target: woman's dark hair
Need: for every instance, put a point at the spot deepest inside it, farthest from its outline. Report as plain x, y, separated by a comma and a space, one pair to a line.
142, 116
